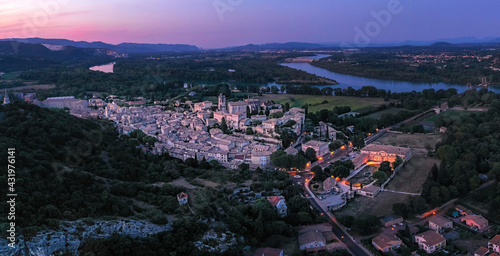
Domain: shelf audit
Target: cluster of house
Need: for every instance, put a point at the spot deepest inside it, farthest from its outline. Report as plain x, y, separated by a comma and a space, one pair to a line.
432, 240
429, 241
467, 217
187, 134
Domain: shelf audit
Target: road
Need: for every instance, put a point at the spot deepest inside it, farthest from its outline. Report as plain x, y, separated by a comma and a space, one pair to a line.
338, 230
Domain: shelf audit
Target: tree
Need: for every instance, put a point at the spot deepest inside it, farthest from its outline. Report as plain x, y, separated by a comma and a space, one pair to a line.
407, 230
447, 153
287, 107
249, 114
287, 137
366, 225
401, 209
336, 144
397, 162
249, 131
311, 154
223, 126
346, 220
380, 176
385, 167
278, 114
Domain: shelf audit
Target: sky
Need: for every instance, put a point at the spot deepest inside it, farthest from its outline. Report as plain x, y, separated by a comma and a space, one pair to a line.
221, 23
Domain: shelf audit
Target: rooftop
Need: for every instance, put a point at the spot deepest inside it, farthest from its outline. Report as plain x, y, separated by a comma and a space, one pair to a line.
386, 148
383, 240
439, 220
431, 237
495, 240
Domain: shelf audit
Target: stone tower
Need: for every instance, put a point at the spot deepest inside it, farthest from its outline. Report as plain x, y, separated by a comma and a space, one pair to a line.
222, 103
6, 98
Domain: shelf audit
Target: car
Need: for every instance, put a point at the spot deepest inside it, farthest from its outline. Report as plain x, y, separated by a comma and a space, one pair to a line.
401, 223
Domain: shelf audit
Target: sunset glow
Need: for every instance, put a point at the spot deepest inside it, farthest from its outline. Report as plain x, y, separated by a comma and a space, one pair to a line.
206, 24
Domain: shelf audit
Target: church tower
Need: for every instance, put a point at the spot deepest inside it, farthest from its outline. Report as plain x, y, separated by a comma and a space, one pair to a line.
6, 98
222, 103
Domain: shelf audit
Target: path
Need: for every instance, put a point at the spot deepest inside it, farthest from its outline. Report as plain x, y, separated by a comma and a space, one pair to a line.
401, 192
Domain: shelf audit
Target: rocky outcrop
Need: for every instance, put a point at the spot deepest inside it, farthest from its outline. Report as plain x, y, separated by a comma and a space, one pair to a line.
71, 235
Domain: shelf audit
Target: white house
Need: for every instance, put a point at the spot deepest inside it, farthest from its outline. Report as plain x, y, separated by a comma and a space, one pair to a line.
279, 203
430, 241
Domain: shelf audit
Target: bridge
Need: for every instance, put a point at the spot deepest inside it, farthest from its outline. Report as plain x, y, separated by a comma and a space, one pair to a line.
484, 83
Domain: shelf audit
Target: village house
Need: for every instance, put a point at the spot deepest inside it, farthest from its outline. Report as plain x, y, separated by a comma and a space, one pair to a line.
315, 237
494, 244
320, 147
268, 252
385, 243
440, 223
390, 220
237, 107
279, 203
380, 153
326, 131
369, 191
475, 221
291, 151
481, 251
430, 241
261, 158
182, 198
462, 210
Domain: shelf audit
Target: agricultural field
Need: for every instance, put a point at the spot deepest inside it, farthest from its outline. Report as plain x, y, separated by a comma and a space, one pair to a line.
417, 140
316, 101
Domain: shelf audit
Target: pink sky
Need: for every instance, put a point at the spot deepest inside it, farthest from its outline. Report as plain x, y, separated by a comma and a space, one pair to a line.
200, 23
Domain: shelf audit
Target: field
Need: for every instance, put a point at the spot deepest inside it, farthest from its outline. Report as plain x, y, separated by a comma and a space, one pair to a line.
413, 175
378, 114
453, 114
10, 76
380, 206
416, 140
357, 104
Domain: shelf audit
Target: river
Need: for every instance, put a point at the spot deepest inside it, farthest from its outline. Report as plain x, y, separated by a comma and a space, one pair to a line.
357, 82
106, 68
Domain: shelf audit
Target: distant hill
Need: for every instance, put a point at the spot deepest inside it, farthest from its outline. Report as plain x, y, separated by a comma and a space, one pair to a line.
17, 56
277, 46
121, 48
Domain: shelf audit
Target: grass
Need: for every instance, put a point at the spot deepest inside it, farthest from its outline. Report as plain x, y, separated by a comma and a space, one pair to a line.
10, 76
378, 114
357, 104
453, 114
413, 175
417, 140
380, 205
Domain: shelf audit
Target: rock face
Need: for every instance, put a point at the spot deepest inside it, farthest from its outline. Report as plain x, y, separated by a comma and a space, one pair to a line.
71, 235
217, 241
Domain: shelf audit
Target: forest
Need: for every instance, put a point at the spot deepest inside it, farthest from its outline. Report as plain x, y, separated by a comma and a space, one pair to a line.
69, 168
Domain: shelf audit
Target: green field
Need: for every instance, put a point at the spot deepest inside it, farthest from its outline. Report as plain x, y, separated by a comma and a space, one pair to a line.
453, 114
378, 114
10, 76
357, 104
